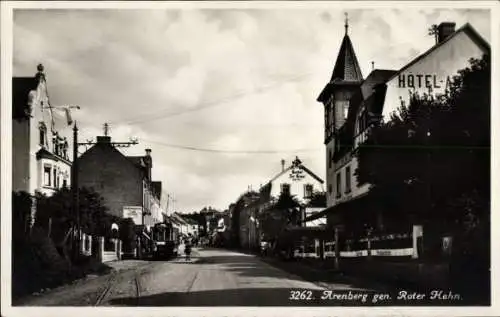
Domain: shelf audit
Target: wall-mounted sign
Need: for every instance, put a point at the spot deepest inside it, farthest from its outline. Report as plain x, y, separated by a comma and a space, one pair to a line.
134, 212
429, 81
297, 174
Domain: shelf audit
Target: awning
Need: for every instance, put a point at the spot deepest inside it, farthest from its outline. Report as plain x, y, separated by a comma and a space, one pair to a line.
338, 207
307, 232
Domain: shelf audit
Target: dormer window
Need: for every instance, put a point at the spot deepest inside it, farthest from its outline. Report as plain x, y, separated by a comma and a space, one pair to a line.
65, 148
362, 122
55, 148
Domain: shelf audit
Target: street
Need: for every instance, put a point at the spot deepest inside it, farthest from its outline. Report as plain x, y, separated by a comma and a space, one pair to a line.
213, 277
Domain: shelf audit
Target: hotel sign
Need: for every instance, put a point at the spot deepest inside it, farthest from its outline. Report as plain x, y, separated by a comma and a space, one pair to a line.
429, 81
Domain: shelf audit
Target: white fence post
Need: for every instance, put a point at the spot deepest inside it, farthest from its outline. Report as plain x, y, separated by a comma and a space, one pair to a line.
417, 233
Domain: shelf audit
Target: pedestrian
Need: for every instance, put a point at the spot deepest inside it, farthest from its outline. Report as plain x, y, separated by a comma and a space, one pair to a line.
187, 250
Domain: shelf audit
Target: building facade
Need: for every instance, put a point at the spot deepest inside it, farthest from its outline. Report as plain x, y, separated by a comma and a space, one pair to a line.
353, 104
41, 143
295, 180
433, 71
124, 182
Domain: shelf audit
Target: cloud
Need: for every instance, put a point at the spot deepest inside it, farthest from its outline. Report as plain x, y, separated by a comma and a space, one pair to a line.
234, 80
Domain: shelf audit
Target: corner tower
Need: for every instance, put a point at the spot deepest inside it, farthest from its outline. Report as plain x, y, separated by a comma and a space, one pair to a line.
345, 81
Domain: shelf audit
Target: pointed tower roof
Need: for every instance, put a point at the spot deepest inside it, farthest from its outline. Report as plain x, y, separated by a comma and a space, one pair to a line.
346, 70
347, 66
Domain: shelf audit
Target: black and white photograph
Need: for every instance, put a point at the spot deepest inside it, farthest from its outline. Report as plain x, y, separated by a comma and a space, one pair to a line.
323, 156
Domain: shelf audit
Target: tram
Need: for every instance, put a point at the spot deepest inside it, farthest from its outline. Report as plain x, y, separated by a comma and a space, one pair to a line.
165, 241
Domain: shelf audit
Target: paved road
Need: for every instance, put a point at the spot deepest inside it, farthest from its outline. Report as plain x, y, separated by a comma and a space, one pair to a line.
213, 277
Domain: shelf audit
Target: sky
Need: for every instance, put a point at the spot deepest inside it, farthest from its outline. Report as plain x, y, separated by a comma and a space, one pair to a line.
220, 96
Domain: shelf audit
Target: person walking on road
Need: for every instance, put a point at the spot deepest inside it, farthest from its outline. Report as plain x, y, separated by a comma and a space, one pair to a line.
187, 250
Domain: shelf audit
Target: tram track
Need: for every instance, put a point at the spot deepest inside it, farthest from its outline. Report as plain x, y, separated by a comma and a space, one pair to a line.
102, 296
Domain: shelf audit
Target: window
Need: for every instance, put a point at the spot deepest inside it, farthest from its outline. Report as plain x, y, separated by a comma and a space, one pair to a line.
331, 115
285, 189
65, 149
43, 133
46, 175
339, 184
60, 146
55, 148
65, 183
348, 179
330, 158
329, 188
308, 190
341, 111
56, 181
362, 122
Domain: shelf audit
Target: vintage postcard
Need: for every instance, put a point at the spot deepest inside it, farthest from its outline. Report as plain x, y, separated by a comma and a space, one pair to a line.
249, 158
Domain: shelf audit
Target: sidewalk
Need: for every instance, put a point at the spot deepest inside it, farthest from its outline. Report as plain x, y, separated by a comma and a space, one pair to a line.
122, 265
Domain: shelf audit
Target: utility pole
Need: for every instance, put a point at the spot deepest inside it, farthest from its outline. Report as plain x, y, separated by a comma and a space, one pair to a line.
75, 194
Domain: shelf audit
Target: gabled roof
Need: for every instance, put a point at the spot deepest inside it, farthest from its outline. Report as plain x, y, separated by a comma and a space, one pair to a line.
467, 28
347, 66
377, 76
109, 148
179, 218
296, 164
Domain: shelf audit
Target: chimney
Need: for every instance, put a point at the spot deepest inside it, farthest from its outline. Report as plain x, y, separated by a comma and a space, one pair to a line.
149, 163
445, 29
282, 165
103, 139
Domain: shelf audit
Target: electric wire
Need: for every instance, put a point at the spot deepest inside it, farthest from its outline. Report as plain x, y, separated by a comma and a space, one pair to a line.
154, 116
209, 150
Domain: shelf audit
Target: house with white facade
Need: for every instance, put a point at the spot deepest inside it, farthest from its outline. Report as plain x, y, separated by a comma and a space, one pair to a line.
41, 138
295, 180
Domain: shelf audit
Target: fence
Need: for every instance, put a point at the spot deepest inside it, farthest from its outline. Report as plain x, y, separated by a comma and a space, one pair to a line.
110, 248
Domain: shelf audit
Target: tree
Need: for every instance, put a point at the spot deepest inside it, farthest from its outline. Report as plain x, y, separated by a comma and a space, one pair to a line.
21, 215
317, 200
285, 211
434, 153
94, 218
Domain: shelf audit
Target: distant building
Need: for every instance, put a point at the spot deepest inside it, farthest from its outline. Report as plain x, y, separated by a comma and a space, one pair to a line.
41, 139
239, 215
124, 182
295, 180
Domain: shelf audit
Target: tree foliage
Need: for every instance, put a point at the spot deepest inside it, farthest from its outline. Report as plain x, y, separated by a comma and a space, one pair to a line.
285, 211
434, 154
21, 214
317, 200
94, 218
